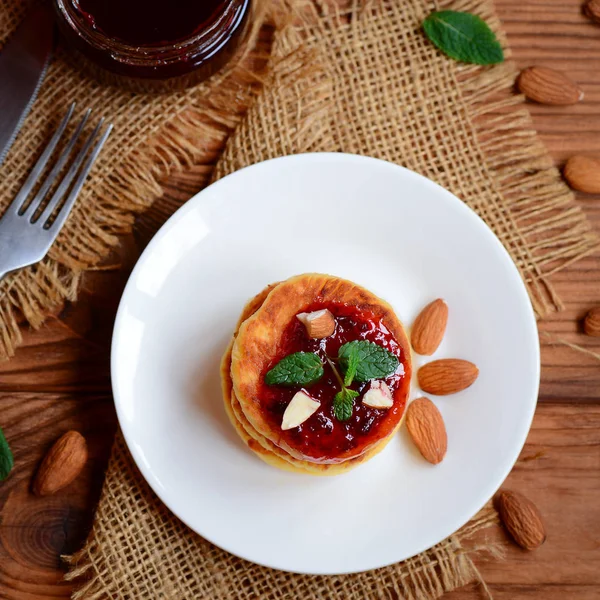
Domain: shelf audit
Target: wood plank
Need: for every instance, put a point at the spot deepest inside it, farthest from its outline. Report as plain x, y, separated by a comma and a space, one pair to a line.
35, 532
71, 352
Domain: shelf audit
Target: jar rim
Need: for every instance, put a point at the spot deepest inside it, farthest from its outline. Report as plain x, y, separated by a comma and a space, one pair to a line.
204, 41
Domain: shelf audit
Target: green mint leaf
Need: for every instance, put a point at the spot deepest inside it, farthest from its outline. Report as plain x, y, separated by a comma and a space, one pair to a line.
343, 404
374, 361
352, 362
6, 458
300, 368
464, 37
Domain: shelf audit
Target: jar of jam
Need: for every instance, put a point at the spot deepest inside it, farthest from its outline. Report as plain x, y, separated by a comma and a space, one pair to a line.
153, 45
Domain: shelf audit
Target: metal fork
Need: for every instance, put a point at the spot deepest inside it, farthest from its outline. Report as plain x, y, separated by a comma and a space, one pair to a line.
28, 229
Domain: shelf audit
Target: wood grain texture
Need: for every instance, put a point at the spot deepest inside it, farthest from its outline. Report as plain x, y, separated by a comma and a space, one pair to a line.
59, 379
559, 470
35, 532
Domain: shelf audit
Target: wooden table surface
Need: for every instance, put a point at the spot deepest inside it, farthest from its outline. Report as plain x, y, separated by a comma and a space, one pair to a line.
59, 378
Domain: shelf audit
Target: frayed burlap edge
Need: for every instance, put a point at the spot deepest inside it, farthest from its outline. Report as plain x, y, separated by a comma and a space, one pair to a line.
34, 293
220, 576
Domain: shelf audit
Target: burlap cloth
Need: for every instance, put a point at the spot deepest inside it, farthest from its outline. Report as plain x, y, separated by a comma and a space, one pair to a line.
360, 79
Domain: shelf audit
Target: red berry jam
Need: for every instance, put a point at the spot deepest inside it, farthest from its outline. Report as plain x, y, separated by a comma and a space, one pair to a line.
152, 45
148, 22
322, 438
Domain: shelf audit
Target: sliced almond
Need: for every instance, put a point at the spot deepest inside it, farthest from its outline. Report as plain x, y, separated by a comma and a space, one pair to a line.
300, 408
319, 323
548, 86
429, 327
427, 430
447, 376
378, 395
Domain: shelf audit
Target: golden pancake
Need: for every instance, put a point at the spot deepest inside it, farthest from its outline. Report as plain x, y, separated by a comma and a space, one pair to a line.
258, 343
264, 448
261, 446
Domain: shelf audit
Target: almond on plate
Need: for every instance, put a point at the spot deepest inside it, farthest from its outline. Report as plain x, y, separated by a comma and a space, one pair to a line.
427, 430
447, 376
429, 327
548, 86
62, 464
583, 173
521, 518
319, 324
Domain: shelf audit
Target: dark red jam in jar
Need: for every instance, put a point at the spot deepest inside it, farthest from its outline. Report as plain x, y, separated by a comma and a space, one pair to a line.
152, 44
322, 438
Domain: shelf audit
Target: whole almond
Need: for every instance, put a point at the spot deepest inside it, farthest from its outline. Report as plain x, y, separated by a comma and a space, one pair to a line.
583, 173
591, 323
447, 376
61, 465
548, 86
429, 327
427, 430
522, 519
592, 10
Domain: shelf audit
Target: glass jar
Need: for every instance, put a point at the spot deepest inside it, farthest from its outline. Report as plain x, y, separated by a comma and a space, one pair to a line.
153, 45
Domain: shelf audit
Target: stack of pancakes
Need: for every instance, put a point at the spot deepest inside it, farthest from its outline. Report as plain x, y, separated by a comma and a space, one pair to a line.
254, 347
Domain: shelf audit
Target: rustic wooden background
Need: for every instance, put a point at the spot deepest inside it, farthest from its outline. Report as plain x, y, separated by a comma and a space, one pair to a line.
59, 379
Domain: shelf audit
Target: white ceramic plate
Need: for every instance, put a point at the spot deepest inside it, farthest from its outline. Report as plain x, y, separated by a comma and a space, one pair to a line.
386, 228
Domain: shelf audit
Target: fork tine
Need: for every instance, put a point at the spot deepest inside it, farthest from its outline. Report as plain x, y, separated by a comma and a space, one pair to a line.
26, 188
64, 211
56, 169
68, 178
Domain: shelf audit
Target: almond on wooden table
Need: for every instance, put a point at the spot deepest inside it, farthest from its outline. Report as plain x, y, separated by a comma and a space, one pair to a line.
592, 10
429, 328
447, 376
427, 430
548, 86
591, 323
522, 519
583, 173
62, 464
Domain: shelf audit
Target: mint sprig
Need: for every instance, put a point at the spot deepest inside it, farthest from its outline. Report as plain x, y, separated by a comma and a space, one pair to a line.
6, 458
360, 360
300, 368
343, 404
372, 360
463, 36
352, 360
343, 401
